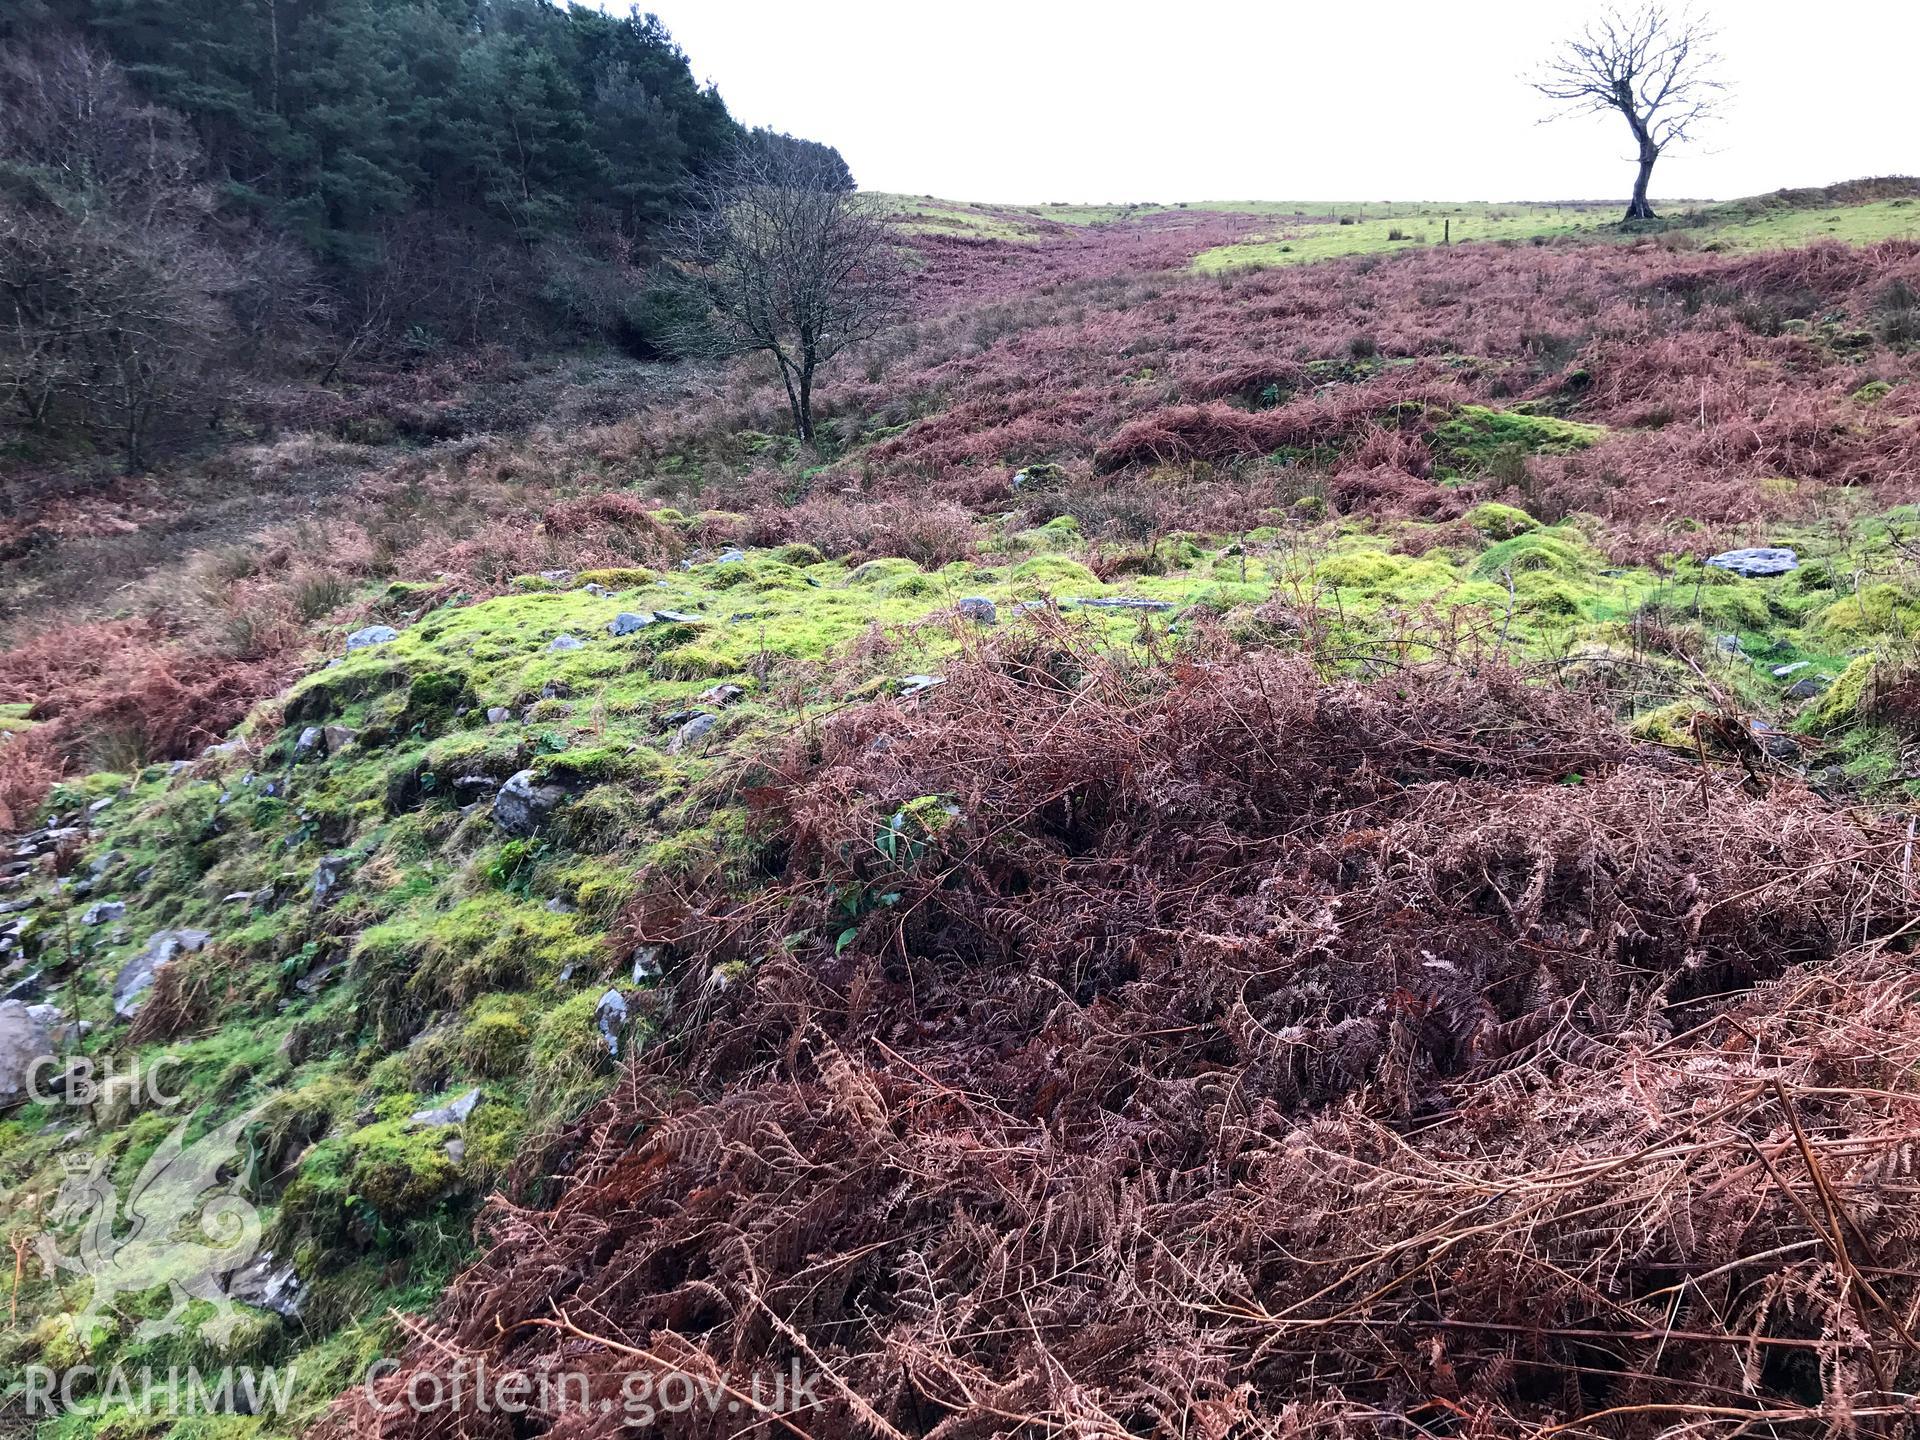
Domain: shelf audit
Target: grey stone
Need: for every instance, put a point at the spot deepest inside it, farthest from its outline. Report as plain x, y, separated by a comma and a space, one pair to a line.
678, 617
1807, 688
646, 962
372, 635
1038, 477
25, 1037
978, 609
1781, 672
914, 685
329, 878
597, 590
456, 1150
315, 980
308, 743
722, 694
1756, 562
454, 1113
1727, 644
691, 733
521, 807
626, 622
557, 577
337, 738
103, 912
238, 897
136, 977
266, 1285
611, 1016
498, 714
1774, 741
1124, 602
565, 642
97, 806
730, 556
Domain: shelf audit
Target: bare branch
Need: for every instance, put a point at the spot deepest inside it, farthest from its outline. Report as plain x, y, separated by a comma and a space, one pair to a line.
1655, 67
786, 260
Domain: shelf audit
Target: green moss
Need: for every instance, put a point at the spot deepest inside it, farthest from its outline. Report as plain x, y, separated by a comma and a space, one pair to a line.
799, 554
1553, 552
913, 587
628, 763
1363, 570
495, 1036
400, 1169
693, 662
1053, 572
879, 572
416, 964
623, 577
1741, 606
1878, 610
1540, 593
1500, 522
1842, 703
1477, 436
1670, 725
1872, 391
568, 1063
606, 818
328, 693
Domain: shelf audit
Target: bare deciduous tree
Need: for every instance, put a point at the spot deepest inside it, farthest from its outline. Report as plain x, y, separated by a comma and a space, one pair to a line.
111, 300
786, 260
1654, 67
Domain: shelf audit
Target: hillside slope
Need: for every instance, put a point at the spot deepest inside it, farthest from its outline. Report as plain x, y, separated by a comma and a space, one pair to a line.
1221, 825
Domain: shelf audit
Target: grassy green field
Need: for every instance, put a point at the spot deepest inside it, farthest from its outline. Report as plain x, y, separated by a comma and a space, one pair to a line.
1358, 230
1735, 225
1306, 231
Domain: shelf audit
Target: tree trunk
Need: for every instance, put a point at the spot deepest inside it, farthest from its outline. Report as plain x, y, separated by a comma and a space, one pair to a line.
806, 405
1639, 209
802, 421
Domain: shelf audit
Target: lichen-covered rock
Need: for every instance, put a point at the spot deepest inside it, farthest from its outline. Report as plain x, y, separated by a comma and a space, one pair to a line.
329, 878
25, 1038
454, 1113
136, 977
372, 635
521, 806
611, 1016
1756, 562
691, 733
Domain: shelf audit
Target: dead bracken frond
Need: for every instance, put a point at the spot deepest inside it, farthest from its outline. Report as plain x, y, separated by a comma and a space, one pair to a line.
1212, 1050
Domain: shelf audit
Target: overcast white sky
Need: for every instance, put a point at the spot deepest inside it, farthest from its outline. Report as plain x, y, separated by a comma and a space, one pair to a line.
1032, 100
